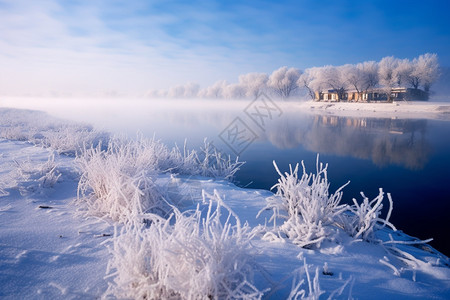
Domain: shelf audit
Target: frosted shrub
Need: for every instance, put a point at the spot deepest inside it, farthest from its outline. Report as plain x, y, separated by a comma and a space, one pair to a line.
125, 169
216, 164
308, 212
366, 217
14, 133
209, 162
17, 124
71, 139
187, 256
37, 176
41, 129
305, 204
119, 181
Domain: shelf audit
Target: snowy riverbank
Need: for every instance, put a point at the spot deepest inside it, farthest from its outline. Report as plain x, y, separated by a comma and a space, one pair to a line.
50, 248
403, 109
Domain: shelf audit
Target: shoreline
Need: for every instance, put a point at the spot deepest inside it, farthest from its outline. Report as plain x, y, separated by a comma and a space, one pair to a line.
402, 110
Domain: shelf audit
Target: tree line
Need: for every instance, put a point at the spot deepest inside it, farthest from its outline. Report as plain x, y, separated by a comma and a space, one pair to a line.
386, 74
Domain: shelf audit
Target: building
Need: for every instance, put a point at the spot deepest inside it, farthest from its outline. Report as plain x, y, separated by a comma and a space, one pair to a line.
401, 93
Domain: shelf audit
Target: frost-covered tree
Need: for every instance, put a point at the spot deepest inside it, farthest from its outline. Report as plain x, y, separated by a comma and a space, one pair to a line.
156, 94
370, 74
176, 92
312, 80
214, 91
234, 91
362, 77
305, 80
191, 90
388, 75
426, 69
253, 83
335, 78
404, 69
284, 81
356, 79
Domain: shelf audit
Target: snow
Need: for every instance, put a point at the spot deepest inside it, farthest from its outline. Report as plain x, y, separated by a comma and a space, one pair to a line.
50, 248
402, 109
46, 253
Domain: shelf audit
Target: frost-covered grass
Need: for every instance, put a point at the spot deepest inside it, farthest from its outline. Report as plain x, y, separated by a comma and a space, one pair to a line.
207, 161
72, 139
297, 292
119, 180
309, 213
305, 205
36, 177
365, 218
187, 256
42, 130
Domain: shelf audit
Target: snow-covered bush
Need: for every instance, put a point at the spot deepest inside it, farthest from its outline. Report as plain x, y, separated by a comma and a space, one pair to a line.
71, 139
305, 204
310, 214
365, 218
37, 176
112, 178
214, 163
40, 129
119, 181
14, 133
208, 161
188, 256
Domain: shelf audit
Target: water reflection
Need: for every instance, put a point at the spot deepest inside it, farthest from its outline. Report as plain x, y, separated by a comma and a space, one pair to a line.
384, 141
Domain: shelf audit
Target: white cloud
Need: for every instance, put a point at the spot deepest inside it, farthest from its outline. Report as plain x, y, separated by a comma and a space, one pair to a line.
82, 49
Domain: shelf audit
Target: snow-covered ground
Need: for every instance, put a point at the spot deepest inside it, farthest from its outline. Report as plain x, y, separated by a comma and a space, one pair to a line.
400, 109
51, 249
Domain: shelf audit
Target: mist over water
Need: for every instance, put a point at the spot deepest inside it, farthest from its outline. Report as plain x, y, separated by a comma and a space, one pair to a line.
406, 157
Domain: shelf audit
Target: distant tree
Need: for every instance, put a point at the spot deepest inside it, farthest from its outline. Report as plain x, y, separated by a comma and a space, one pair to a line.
253, 83
427, 68
156, 94
284, 81
234, 91
355, 77
414, 77
305, 81
214, 91
335, 77
387, 72
421, 71
310, 79
403, 71
191, 90
370, 74
176, 92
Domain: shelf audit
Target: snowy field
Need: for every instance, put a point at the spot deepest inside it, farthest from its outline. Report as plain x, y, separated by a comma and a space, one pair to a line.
86, 216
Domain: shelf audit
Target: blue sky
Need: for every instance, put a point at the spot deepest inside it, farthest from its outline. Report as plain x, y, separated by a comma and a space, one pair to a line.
133, 46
